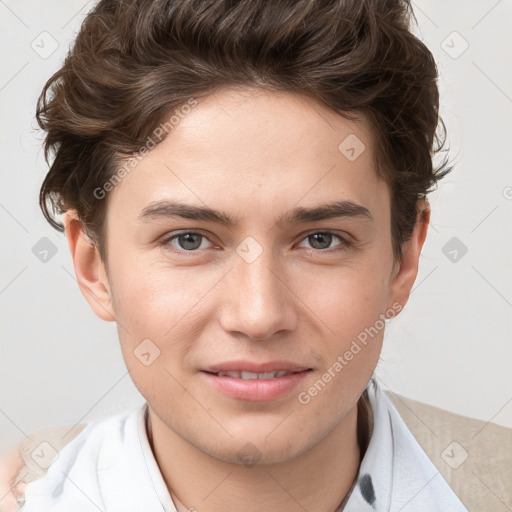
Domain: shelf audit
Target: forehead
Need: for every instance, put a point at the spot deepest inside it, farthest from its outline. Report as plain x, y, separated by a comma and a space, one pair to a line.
253, 149
276, 127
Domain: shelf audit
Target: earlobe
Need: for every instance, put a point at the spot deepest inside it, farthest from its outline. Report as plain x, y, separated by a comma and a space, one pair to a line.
404, 277
89, 269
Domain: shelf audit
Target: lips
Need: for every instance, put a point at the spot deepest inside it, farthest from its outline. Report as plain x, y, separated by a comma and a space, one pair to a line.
256, 368
253, 375
255, 382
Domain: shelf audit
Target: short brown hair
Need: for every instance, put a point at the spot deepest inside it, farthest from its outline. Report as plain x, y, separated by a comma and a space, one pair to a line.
134, 62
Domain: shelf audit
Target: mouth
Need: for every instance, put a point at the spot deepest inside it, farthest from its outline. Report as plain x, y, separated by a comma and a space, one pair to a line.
243, 380
246, 375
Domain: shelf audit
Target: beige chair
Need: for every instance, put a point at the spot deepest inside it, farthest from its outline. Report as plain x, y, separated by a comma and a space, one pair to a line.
473, 456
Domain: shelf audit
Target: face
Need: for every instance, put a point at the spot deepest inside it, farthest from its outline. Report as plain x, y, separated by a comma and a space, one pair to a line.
288, 285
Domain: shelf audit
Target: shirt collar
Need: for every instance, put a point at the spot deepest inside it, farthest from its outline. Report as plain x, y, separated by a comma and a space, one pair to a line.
154, 472
372, 487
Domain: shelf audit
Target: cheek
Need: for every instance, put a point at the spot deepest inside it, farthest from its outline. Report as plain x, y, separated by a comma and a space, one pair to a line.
346, 299
351, 309
155, 314
155, 298
351, 304
165, 306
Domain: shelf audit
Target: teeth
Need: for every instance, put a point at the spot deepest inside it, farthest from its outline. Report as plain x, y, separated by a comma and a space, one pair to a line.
267, 375
253, 376
248, 375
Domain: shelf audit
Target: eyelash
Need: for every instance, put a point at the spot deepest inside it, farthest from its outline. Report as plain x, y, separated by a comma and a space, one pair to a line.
345, 244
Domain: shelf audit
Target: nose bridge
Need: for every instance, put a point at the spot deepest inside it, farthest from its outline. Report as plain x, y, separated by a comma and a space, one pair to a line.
259, 302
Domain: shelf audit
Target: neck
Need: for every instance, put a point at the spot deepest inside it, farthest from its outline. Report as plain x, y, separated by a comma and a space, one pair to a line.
318, 480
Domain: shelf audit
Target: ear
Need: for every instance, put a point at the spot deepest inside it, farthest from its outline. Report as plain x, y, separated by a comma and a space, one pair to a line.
404, 273
89, 269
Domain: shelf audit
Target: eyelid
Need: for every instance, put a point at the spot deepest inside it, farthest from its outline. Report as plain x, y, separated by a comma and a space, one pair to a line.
342, 234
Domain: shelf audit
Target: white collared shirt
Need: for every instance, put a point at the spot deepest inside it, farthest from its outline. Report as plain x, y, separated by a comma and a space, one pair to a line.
110, 467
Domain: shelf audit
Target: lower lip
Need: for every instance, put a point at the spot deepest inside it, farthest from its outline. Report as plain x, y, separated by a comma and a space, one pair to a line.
256, 390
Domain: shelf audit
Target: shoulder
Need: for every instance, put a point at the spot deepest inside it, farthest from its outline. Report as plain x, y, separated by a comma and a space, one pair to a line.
30, 461
473, 456
11, 488
33, 459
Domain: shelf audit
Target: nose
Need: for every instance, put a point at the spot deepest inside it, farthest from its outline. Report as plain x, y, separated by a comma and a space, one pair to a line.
259, 301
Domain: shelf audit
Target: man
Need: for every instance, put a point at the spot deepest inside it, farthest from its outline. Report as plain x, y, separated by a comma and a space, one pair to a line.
243, 188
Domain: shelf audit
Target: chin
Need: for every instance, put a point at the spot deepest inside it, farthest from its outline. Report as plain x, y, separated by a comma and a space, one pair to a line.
263, 443
251, 454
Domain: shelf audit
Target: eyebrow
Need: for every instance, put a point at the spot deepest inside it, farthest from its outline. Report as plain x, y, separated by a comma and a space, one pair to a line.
169, 209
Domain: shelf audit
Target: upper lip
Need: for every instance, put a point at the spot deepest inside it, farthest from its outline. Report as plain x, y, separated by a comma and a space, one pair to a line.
251, 366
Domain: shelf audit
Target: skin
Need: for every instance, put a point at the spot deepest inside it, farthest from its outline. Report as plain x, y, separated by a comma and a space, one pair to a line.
11, 464
255, 155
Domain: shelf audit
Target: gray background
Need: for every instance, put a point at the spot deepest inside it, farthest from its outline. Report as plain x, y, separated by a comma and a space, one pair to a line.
60, 364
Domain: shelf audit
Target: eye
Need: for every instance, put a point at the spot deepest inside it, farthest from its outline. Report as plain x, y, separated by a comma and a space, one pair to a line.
187, 241
321, 240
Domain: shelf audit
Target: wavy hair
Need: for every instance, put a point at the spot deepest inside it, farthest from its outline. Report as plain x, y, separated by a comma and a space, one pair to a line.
135, 61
